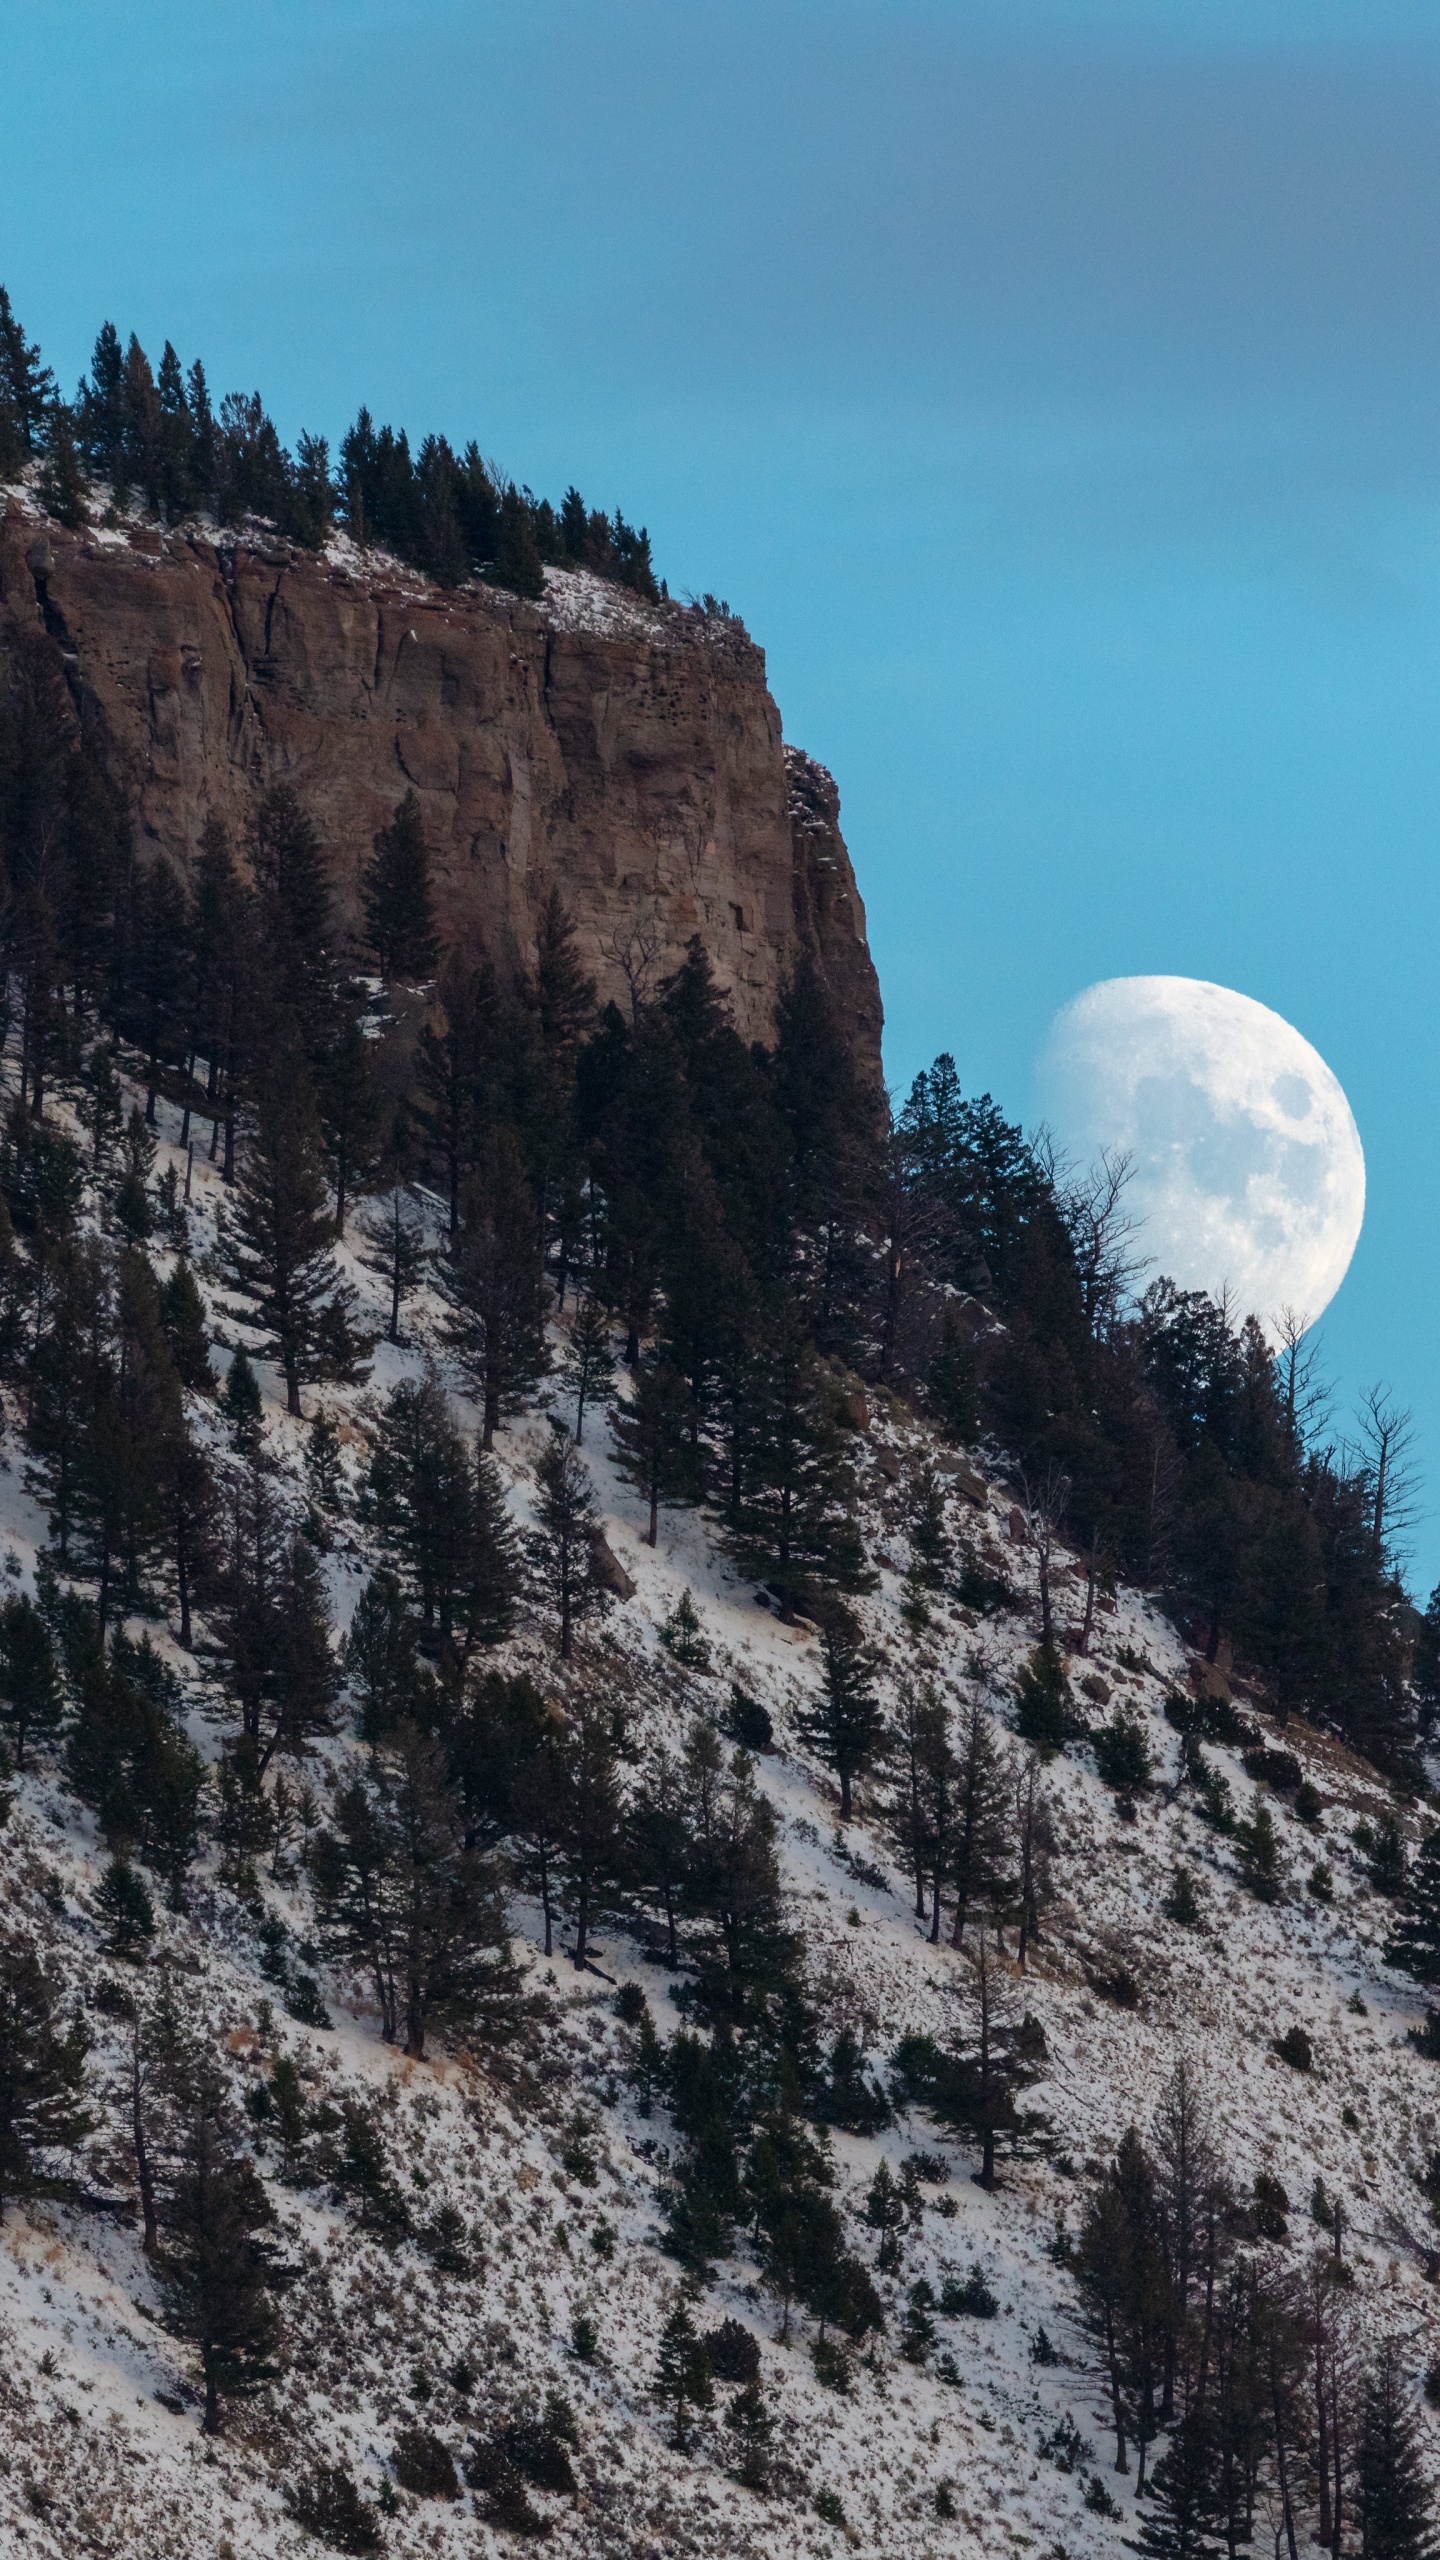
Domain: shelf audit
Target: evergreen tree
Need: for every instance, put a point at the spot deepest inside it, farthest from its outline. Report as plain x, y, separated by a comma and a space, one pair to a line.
682, 2375
796, 1525
401, 1891
516, 562
1415, 1944
495, 1284
350, 1108
64, 483
399, 906
213, 2266
648, 1438
846, 1722
241, 1401
42, 2072
589, 1366
182, 1313
292, 882
125, 1910
27, 390
31, 1698
1395, 2493
982, 1831
395, 1232
567, 1519
275, 1246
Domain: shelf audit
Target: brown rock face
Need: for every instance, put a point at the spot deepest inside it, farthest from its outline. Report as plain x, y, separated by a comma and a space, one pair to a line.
629, 755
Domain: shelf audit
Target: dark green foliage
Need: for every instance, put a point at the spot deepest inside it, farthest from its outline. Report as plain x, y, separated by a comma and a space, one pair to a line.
1385, 1858
1122, 1754
442, 1523
846, 1723
1415, 1941
423, 2465
363, 2173
128, 1756
749, 2421
182, 1313
849, 2097
275, 1245
1181, 1903
401, 1892
330, 2506
1295, 2048
732, 2352
1261, 1862
30, 1695
746, 1721
1043, 1712
1394, 2484
566, 1518
42, 2075
214, 2268
125, 1911
399, 907
682, 2376
971, 2299
683, 1635
382, 1661
241, 1401
539, 2447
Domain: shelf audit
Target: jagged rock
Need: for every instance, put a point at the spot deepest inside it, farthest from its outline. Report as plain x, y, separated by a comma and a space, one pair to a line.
607, 1570
629, 755
1016, 1529
1209, 1681
1092, 1686
964, 1478
888, 1462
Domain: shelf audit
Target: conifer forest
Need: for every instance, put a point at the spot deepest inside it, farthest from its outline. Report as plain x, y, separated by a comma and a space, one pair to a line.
714, 1837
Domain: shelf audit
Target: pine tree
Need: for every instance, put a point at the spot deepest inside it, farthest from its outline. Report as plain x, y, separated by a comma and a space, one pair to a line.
275, 1245
401, 1891
1042, 1701
399, 906
566, 1517
981, 1839
1415, 1945
125, 1910
240, 1400
395, 1231
292, 880
846, 1722
589, 1366
1396, 2498
42, 2071
64, 485
134, 1213
351, 1109
31, 1699
27, 387
182, 1313
516, 563
495, 1283
213, 2267
648, 1438
682, 2375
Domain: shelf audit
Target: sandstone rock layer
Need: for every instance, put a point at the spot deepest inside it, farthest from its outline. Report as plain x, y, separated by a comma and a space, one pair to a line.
630, 755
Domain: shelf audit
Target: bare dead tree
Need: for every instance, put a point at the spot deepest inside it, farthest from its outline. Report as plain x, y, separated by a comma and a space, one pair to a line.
1387, 1442
1044, 1510
635, 954
1102, 1234
1304, 1394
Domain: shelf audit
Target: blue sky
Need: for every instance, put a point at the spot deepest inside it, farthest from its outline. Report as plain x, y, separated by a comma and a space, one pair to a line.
1053, 388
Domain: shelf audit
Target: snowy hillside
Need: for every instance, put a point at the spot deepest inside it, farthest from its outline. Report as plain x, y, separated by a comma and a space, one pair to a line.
548, 2275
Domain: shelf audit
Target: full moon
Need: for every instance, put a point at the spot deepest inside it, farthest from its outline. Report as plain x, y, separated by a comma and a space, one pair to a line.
1248, 1173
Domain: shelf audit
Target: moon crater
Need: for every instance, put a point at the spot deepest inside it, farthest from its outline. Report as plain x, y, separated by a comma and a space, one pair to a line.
1248, 1173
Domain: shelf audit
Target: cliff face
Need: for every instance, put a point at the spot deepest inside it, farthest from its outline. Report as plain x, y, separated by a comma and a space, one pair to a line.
630, 755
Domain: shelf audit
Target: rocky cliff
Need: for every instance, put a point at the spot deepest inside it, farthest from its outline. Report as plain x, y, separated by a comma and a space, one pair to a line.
630, 754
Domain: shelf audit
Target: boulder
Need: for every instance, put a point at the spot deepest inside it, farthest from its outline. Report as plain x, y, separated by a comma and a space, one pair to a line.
607, 1570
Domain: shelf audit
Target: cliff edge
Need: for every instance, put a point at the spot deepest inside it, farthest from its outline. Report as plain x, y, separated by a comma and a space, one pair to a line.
630, 754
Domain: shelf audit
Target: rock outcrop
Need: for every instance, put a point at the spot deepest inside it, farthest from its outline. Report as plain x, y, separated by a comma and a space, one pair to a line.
629, 754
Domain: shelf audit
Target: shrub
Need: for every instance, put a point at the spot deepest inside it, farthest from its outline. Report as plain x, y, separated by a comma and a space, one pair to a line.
828, 2507
1043, 1712
732, 2352
422, 2464
1309, 1804
1270, 2205
1122, 1754
1321, 1886
584, 2338
833, 2368
1295, 2048
747, 1722
330, 2506
1426, 2037
1278, 1769
630, 2004
501, 2493
1181, 1903
972, 2300
538, 2451
126, 1911
683, 1636
1385, 1856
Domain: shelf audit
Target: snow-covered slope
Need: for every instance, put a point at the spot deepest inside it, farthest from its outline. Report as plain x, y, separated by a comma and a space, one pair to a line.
557, 2181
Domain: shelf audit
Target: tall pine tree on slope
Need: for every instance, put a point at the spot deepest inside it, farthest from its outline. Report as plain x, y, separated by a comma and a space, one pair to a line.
1415, 1946
275, 1246
1396, 2503
399, 908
